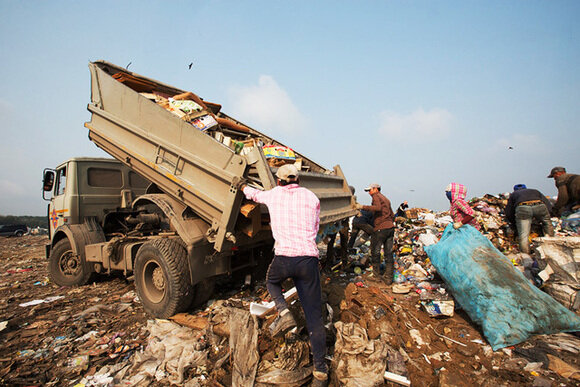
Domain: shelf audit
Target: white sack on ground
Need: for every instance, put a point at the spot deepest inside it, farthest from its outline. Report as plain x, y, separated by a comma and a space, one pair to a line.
562, 274
170, 351
358, 361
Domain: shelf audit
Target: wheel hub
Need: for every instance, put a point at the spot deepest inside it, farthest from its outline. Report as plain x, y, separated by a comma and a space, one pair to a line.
69, 263
158, 278
154, 282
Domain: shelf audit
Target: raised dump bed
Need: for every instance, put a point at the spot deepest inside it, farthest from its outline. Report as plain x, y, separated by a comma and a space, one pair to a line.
191, 224
192, 151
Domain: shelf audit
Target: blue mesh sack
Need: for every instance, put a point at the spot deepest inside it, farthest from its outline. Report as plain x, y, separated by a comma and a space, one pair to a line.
493, 292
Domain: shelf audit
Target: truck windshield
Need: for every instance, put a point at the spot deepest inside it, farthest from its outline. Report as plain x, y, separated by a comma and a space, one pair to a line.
60, 181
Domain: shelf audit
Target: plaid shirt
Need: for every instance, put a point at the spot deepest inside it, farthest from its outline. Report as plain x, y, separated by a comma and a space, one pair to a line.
459, 207
294, 218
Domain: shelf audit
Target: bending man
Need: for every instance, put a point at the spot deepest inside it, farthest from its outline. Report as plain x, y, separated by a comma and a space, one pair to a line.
523, 206
294, 218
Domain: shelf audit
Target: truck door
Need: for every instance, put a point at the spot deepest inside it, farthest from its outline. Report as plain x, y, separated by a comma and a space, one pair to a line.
56, 208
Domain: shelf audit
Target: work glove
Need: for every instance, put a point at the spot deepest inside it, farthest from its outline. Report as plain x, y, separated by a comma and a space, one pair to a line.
239, 182
456, 225
358, 206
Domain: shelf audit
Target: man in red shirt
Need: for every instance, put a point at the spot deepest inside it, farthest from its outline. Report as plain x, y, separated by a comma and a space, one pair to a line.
294, 218
384, 231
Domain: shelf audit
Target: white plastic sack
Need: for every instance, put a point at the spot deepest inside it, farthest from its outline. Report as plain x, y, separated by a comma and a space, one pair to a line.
562, 274
428, 239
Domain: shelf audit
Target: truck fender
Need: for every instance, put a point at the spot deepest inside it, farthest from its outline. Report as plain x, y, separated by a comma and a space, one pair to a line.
191, 230
79, 236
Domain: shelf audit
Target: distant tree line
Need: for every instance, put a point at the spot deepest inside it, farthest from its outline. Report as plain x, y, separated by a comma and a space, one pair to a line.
30, 221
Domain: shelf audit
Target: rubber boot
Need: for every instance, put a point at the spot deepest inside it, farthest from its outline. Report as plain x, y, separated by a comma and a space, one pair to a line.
388, 276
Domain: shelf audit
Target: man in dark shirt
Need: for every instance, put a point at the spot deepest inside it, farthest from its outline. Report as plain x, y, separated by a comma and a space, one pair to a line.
524, 205
401, 210
568, 190
362, 222
384, 231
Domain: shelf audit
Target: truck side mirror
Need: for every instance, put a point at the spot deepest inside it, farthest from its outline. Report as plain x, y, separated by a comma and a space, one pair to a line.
48, 182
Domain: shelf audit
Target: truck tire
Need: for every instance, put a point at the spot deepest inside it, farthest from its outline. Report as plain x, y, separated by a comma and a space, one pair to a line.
66, 268
19, 233
162, 278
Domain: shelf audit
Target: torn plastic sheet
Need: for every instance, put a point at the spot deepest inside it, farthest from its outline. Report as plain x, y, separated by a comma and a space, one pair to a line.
278, 377
358, 361
37, 302
169, 353
243, 347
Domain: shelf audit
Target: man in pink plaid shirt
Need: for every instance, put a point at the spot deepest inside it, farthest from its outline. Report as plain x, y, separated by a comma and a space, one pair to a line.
294, 218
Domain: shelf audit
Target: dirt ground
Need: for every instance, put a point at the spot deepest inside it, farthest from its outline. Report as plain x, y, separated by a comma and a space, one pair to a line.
76, 331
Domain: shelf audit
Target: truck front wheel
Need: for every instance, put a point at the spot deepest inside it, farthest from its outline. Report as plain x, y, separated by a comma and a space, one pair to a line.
162, 278
67, 268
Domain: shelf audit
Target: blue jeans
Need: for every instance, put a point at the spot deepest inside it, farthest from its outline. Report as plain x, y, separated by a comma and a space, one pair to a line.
306, 276
524, 216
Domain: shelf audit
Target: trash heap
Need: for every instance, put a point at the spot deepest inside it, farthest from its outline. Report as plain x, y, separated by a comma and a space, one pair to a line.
98, 335
555, 257
422, 227
411, 333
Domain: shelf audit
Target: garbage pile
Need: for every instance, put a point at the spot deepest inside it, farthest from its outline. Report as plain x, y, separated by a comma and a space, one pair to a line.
422, 227
413, 333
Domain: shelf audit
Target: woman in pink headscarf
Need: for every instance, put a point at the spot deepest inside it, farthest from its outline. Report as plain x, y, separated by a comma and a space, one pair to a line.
460, 210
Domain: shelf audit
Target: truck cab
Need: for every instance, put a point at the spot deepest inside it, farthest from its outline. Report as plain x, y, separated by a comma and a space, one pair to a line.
83, 189
105, 218
88, 200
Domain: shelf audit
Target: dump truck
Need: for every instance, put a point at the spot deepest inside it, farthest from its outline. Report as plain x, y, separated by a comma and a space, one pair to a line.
166, 209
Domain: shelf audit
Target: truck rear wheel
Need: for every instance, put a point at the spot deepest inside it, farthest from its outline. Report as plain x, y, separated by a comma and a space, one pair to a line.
162, 278
67, 268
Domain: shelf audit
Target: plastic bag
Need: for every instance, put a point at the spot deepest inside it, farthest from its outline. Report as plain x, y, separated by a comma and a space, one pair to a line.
494, 294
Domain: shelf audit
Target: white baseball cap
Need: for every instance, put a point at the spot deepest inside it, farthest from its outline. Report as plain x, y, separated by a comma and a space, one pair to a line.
373, 185
287, 171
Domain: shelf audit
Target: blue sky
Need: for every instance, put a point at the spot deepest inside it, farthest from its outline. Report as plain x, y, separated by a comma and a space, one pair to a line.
410, 94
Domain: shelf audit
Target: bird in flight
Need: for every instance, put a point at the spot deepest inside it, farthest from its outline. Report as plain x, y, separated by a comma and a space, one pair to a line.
510, 147
191, 64
127, 67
